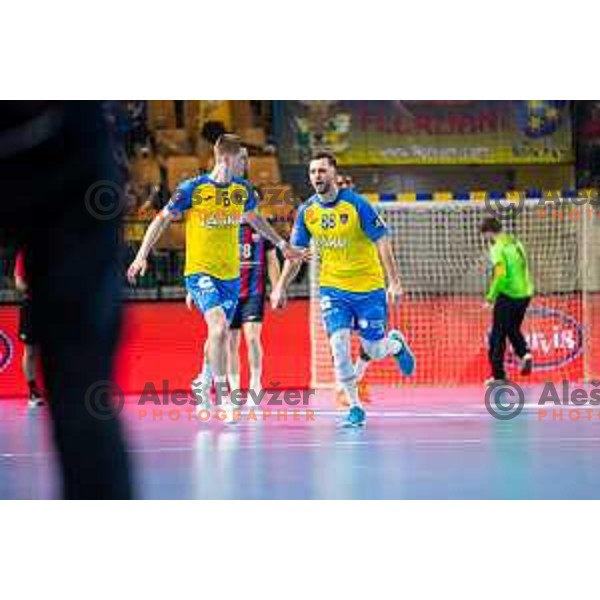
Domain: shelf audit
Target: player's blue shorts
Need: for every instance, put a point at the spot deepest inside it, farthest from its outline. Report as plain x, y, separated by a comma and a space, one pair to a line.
365, 312
209, 292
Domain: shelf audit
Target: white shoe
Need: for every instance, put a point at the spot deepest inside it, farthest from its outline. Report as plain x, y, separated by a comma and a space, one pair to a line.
201, 393
35, 401
526, 364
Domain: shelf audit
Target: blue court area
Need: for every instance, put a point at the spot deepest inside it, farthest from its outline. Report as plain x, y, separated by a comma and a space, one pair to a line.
419, 443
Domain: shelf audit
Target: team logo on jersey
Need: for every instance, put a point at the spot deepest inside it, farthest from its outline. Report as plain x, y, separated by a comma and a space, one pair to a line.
343, 218
197, 197
6, 350
311, 216
239, 196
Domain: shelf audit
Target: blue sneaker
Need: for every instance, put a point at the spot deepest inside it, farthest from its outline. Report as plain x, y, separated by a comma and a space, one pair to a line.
356, 417
405, 358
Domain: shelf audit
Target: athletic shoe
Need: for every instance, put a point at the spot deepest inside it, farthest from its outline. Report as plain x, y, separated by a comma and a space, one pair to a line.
404, 357
35, 399
356, 417
493, 382
526, 364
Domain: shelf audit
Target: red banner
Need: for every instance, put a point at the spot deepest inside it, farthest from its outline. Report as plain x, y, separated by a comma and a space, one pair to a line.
164, 341
448, 336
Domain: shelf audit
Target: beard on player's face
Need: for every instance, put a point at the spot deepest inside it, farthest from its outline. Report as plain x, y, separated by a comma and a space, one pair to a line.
321, 187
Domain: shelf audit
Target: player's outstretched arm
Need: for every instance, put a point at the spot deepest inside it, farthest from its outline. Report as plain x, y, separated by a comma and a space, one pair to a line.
300, 242
289, 272
273, 267
152, 235
386, 254
260, 225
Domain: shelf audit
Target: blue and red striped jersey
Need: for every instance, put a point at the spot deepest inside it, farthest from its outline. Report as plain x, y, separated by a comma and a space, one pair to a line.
253, 262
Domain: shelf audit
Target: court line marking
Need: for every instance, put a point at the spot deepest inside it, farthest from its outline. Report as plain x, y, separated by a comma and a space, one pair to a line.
403, 442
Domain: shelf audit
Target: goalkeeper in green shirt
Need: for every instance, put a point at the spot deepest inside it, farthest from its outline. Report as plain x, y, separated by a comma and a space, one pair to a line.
510, 293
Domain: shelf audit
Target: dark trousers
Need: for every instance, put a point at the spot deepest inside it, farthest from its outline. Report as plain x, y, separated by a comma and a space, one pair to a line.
72, 264
507, 320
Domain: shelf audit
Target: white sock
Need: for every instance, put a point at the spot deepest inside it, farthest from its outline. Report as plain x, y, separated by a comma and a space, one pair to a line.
255, 380
234, 381
206, 374
351, 392
360, 368
221, 389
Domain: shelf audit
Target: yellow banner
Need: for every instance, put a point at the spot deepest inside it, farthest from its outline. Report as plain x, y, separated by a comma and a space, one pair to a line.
374, 132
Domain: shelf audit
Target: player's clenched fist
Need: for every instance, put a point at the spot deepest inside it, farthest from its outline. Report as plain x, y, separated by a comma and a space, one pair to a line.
137, 267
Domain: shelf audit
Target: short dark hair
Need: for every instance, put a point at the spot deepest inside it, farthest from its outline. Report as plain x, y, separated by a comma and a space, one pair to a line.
228, 143
212, 131
327, 155
490, 225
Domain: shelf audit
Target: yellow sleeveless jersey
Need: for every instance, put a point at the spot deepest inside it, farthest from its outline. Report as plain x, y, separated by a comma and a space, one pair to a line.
212, 213
344, 233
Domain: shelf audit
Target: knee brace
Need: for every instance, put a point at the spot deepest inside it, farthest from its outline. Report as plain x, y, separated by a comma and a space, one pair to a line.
342, 355
375, 350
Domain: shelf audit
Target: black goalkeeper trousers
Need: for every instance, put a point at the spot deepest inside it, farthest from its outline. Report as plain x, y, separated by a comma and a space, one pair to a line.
72, 263
508, 317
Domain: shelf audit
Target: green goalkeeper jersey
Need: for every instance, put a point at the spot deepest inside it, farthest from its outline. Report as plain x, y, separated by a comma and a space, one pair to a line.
511, 271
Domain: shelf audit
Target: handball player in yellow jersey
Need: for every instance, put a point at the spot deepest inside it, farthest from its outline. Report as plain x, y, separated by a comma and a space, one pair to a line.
351, 240
213, 206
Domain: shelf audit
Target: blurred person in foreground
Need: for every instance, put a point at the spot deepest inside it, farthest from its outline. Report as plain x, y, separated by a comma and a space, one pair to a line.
61, 200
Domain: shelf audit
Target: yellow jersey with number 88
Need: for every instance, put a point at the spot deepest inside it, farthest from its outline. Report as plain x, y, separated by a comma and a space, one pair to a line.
344, 233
